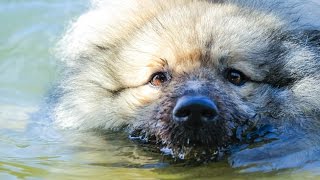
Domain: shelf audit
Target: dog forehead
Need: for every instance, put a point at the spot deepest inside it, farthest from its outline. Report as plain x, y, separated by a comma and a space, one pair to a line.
205, 36
213, 33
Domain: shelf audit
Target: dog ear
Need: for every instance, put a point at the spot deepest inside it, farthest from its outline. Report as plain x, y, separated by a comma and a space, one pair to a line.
312, 37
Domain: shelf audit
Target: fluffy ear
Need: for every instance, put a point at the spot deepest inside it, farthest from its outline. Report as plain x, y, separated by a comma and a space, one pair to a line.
312, 37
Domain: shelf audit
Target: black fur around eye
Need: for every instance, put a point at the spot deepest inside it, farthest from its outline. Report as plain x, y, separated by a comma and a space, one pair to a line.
236, 77
159, 78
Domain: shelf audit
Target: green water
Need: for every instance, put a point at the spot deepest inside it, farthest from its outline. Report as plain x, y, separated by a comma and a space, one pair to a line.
31, 150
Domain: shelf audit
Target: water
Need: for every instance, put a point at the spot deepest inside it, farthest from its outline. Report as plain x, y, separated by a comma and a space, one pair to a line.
29, 149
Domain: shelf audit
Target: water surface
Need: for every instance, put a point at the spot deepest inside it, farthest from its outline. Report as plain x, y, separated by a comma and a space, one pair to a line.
30, 149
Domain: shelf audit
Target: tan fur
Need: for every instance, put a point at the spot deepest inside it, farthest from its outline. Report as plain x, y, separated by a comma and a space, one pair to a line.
111, 52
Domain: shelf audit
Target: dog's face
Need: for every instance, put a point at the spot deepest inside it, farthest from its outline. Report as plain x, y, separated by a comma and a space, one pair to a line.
194, 78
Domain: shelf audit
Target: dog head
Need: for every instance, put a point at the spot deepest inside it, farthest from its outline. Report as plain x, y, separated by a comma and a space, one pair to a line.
191, 76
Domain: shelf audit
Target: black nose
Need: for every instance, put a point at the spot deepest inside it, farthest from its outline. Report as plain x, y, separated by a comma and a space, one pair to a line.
195, 110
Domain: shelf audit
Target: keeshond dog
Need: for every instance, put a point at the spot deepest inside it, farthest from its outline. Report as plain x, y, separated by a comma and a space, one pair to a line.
199, 79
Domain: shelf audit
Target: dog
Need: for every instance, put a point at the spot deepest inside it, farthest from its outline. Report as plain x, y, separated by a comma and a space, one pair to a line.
200, 79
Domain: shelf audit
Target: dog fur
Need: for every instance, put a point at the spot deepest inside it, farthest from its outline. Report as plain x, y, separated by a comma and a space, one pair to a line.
111, 52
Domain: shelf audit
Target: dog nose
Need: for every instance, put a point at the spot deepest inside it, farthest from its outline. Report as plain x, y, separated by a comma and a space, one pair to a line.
194, 110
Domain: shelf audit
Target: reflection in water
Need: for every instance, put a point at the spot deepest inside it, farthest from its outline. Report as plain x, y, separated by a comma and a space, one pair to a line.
14, 117
39, 150
32, 148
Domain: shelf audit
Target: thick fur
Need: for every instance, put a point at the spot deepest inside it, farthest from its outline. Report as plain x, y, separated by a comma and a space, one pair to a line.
110, 53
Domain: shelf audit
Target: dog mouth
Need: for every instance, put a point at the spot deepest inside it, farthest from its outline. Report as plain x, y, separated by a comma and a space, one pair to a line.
203, 143
206, 143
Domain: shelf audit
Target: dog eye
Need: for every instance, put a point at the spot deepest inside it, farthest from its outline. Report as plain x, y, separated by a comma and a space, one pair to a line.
236, 77
159, 79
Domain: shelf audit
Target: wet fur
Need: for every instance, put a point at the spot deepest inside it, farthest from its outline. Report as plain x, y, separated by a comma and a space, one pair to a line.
110, 52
